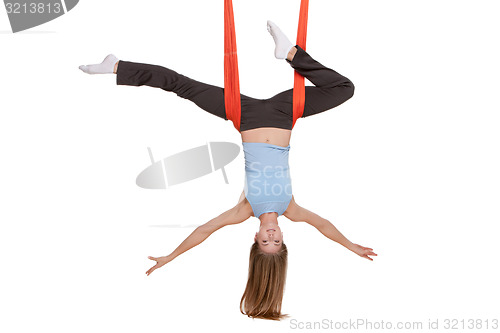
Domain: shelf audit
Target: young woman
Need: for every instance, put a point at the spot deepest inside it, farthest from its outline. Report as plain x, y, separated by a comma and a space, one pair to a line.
265, 127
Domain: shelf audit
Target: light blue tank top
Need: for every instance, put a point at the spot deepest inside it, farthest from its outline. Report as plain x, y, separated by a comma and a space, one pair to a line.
268, 186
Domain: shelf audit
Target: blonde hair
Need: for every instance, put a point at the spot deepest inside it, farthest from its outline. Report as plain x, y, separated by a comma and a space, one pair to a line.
266, 282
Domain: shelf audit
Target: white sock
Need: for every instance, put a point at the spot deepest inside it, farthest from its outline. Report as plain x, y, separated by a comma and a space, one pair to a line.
105, 67
283, 44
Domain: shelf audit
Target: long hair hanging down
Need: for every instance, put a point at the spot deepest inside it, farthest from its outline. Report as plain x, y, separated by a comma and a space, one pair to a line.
266, 283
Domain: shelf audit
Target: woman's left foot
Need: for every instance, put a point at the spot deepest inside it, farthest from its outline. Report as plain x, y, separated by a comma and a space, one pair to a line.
283, 44
105, 67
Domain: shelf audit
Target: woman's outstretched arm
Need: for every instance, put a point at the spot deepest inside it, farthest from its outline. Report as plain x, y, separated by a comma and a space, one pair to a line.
237, 214
297, 213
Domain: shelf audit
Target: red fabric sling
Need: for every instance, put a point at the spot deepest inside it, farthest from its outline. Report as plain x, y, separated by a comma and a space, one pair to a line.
299, 88
231, 76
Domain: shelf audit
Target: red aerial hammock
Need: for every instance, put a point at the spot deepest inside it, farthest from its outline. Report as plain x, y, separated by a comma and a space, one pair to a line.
231, 76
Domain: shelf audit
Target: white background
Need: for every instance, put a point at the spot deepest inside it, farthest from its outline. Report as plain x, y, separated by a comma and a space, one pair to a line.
408, 166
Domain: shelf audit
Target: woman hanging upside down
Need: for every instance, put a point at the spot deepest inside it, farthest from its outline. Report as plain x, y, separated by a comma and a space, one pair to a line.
266, 127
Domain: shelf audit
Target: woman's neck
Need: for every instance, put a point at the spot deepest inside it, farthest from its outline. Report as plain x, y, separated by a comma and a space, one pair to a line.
270, 219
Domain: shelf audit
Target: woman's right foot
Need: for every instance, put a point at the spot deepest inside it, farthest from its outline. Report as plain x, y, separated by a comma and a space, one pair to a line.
283, 44
107, 66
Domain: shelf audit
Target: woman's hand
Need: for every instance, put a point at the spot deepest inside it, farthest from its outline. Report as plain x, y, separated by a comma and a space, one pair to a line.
160, 261
362, 251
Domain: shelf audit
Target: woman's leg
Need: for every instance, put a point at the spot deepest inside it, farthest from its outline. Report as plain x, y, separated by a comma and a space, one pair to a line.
331, 89
209, 98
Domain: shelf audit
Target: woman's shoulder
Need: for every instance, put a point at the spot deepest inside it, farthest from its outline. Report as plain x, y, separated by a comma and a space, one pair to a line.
244, 206
292, 212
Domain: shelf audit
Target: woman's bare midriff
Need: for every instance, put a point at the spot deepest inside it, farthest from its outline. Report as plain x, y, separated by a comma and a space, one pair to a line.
271, 135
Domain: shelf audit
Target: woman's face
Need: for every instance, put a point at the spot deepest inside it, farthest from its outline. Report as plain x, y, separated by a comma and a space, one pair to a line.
269, 238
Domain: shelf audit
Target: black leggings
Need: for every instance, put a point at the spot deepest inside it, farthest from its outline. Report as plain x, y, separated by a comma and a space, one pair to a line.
331, 89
